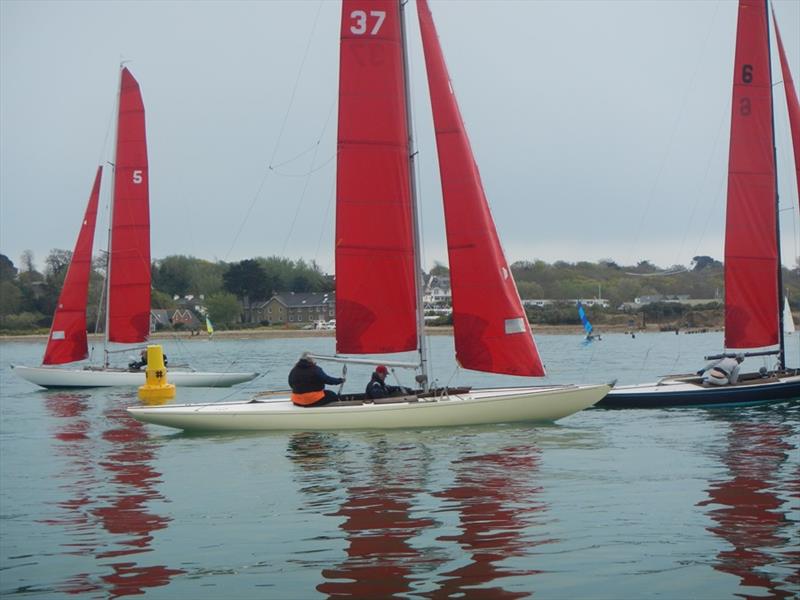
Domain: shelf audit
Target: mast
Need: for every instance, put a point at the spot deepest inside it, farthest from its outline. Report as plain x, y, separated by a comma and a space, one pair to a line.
423, 355
781, 335
111, 221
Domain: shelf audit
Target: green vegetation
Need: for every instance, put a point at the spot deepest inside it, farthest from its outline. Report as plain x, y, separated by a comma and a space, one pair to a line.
28, 297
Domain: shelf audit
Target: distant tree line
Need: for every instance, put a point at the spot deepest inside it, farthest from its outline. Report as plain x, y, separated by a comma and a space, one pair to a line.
28, 297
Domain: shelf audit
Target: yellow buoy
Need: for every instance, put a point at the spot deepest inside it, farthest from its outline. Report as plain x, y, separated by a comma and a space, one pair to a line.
156, 390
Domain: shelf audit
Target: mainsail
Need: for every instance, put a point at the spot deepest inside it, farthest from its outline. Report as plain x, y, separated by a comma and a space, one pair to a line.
490, 326
67, 341
129, 270
792, 104
587, 326
375, 272
752, 302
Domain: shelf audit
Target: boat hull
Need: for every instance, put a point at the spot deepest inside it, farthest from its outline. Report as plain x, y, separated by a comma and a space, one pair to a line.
502, 405
676, 393
55, 377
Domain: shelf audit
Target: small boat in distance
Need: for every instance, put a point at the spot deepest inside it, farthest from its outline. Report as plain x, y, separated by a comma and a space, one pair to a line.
587, 326
788, 320
379, 307
754, 299
127, 291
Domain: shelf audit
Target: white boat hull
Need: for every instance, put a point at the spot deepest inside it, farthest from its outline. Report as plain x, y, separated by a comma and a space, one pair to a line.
502, 405
57, 377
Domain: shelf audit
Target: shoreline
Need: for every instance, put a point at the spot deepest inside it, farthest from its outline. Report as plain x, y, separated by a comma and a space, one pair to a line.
269, 333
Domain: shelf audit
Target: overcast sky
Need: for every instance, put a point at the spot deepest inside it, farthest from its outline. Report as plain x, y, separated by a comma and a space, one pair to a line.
600, 127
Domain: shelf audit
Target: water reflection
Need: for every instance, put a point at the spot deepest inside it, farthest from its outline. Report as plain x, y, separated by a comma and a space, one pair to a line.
748, 511
377, 509
497, 503
111, 482
390, 500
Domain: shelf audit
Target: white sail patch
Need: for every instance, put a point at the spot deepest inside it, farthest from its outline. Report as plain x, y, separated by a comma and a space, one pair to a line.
58, 335
515, 325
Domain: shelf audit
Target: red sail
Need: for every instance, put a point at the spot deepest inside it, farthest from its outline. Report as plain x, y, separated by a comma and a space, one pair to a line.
491, 329
67, 341
375, 275
129, 289
792, 103
751, 262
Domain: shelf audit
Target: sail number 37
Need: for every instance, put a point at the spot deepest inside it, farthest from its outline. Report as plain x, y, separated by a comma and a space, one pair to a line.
361, 21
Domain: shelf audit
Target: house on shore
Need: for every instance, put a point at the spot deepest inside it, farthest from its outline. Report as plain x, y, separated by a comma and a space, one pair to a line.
173, 318
296, 308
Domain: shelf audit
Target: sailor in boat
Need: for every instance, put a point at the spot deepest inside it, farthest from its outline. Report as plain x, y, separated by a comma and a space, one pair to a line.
378, 388
308, 380
137, 365
724, 371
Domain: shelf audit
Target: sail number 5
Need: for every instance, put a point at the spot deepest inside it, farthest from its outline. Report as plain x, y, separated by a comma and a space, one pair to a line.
137, 177
360, 21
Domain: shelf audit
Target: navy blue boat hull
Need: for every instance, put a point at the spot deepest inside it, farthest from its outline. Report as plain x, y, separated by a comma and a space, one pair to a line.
704, 397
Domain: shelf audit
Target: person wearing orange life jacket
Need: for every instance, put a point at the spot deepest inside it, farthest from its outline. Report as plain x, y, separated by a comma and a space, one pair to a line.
308, 380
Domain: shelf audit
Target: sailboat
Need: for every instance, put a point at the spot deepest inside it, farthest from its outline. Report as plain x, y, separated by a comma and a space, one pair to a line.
587, 326
788, 320
127, 292
378, 272
754, 299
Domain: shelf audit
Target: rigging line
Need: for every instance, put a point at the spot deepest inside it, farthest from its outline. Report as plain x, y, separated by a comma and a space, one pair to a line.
644, 362
308, 178
297, 210
722, 120
661, 274
325, 222
713, 205
295, 157
675, 123
312, 171
296, 83
678, 356
280, 132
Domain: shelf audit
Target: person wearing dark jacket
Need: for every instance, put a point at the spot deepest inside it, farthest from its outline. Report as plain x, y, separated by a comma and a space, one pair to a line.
377, 387
308, 380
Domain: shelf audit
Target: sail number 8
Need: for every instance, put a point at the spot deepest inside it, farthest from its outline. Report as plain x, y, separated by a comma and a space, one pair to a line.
360, 21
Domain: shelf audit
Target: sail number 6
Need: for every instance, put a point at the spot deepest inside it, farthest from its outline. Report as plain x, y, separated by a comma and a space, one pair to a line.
359, 26
137, 177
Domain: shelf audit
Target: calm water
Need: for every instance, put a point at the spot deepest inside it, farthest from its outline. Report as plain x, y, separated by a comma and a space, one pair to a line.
622, 504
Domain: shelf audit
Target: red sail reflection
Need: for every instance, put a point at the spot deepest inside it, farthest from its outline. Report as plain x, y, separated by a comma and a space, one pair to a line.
117, 506
497, 504
492, 497
379, 520
748, 513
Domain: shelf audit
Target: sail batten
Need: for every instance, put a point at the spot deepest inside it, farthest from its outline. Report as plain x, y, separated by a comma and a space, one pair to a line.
129, 286
751, 258
491, 329
375, 272
67, 341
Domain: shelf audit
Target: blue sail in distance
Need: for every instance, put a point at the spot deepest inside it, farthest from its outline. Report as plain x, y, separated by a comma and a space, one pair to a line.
582, 314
